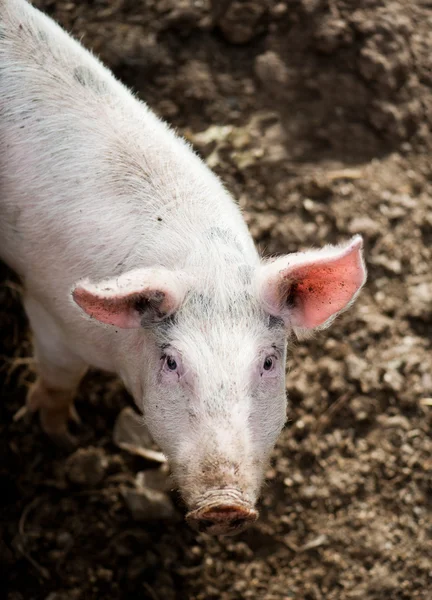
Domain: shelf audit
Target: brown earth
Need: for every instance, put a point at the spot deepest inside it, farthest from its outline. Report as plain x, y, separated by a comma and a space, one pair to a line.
317, 115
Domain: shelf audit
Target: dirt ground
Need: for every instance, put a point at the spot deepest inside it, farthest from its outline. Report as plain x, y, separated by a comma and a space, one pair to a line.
317, 115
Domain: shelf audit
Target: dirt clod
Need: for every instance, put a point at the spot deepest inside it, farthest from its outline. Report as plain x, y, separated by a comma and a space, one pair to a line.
242, 21
86, 467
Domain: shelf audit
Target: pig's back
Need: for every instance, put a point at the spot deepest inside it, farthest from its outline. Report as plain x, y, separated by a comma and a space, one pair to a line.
92, 183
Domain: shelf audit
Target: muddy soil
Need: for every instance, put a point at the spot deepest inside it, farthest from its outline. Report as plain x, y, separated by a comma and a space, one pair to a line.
317, 115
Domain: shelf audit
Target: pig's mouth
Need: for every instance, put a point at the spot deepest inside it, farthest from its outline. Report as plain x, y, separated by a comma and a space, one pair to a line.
222, 513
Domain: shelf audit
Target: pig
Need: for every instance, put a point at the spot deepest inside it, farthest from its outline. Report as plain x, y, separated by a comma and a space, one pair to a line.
136, 260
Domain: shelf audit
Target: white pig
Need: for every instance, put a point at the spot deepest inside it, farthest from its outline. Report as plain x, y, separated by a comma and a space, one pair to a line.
136, 260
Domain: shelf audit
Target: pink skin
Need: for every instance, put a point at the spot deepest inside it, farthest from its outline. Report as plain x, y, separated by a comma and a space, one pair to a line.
316, 288
172, 371
306, 290
122, 211
117, 301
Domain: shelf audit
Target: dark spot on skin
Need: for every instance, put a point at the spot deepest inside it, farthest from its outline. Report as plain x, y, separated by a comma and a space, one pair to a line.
80, 75
226, 236
151, 318
165, 326
275, 322
42, 35
233, 308
245, 298
159, 219
230, 259
245, 273
291, 295
192, 415
149, 308
87, 78
204, 302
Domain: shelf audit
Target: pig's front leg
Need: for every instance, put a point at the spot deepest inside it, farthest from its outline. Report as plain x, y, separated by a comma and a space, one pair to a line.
59, 373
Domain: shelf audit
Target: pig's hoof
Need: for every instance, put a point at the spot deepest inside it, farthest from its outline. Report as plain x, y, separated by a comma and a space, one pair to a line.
56, 427
56, 411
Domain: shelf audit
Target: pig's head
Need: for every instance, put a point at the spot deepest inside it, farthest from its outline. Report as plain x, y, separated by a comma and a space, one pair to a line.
210, 361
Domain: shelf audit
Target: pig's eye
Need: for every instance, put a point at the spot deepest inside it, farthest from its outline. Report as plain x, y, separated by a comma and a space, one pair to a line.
172, 368
268, 366
170, 363
269, 363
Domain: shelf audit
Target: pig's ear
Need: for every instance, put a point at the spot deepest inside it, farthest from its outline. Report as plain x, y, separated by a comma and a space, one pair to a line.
309, 289
135, 299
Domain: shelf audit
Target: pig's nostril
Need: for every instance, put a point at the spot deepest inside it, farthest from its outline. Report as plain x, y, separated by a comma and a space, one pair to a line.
217, 527
222, 519
238, 523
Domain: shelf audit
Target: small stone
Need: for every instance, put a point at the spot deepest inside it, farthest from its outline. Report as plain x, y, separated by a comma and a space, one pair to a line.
271, 70
279, 10
394, 380
373, 65
196, 81
308, 492
364, 225
376, 322
331, 34
392, 265
387, 118
167, 108
297, 478
363, 408
86, 467
420, 301
316, 187
395, 421
356, 367
184, 16
241, 21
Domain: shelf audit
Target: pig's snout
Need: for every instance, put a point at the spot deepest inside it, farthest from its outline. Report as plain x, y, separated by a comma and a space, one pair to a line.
225, 519
223, 516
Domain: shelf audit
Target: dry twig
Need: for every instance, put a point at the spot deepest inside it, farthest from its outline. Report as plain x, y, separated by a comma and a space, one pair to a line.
327, 416
22, 534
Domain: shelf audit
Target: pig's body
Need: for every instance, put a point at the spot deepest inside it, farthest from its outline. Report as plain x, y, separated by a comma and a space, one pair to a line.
94, 188
79, 149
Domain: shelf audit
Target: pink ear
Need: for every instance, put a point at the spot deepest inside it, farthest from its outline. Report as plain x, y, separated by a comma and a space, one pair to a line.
134, 299
308, 289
